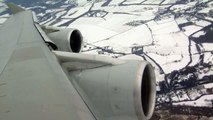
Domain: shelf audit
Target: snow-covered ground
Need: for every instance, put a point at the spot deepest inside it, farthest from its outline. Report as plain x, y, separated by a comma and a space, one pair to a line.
174, 36
203, 101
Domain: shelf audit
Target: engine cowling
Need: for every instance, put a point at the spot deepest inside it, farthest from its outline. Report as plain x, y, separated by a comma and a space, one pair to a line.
121, 92
69, 40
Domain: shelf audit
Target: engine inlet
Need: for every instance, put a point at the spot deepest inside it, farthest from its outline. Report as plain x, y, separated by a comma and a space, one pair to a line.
76, 41
148, 91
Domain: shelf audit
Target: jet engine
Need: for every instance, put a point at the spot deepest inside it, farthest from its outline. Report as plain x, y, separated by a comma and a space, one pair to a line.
69, 40
118, 92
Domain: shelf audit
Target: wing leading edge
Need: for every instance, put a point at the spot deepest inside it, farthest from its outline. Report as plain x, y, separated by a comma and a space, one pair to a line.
14, 8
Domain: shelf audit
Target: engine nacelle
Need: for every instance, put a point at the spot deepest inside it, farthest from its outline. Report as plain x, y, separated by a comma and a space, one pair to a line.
121, 92
69, 40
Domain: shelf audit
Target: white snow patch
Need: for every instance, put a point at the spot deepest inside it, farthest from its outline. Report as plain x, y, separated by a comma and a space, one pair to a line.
157, 1
149, 2
131, 57
210, 85
167, 62
181, 20
133, 1
202, 23
166, 26
115, 2
191, 29
203, 101
117, 20
6, 15
169, 2
205, 10
79, 11
138, 36
208, 46
152, 23
94, 33
198, 34
164, 40
208, 58
88, 20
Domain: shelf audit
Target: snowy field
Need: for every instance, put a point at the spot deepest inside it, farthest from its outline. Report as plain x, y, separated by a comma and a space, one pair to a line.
176, 37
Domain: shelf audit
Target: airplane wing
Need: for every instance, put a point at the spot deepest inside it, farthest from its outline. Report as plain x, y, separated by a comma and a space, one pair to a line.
14, 8
39, 81
33, 85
